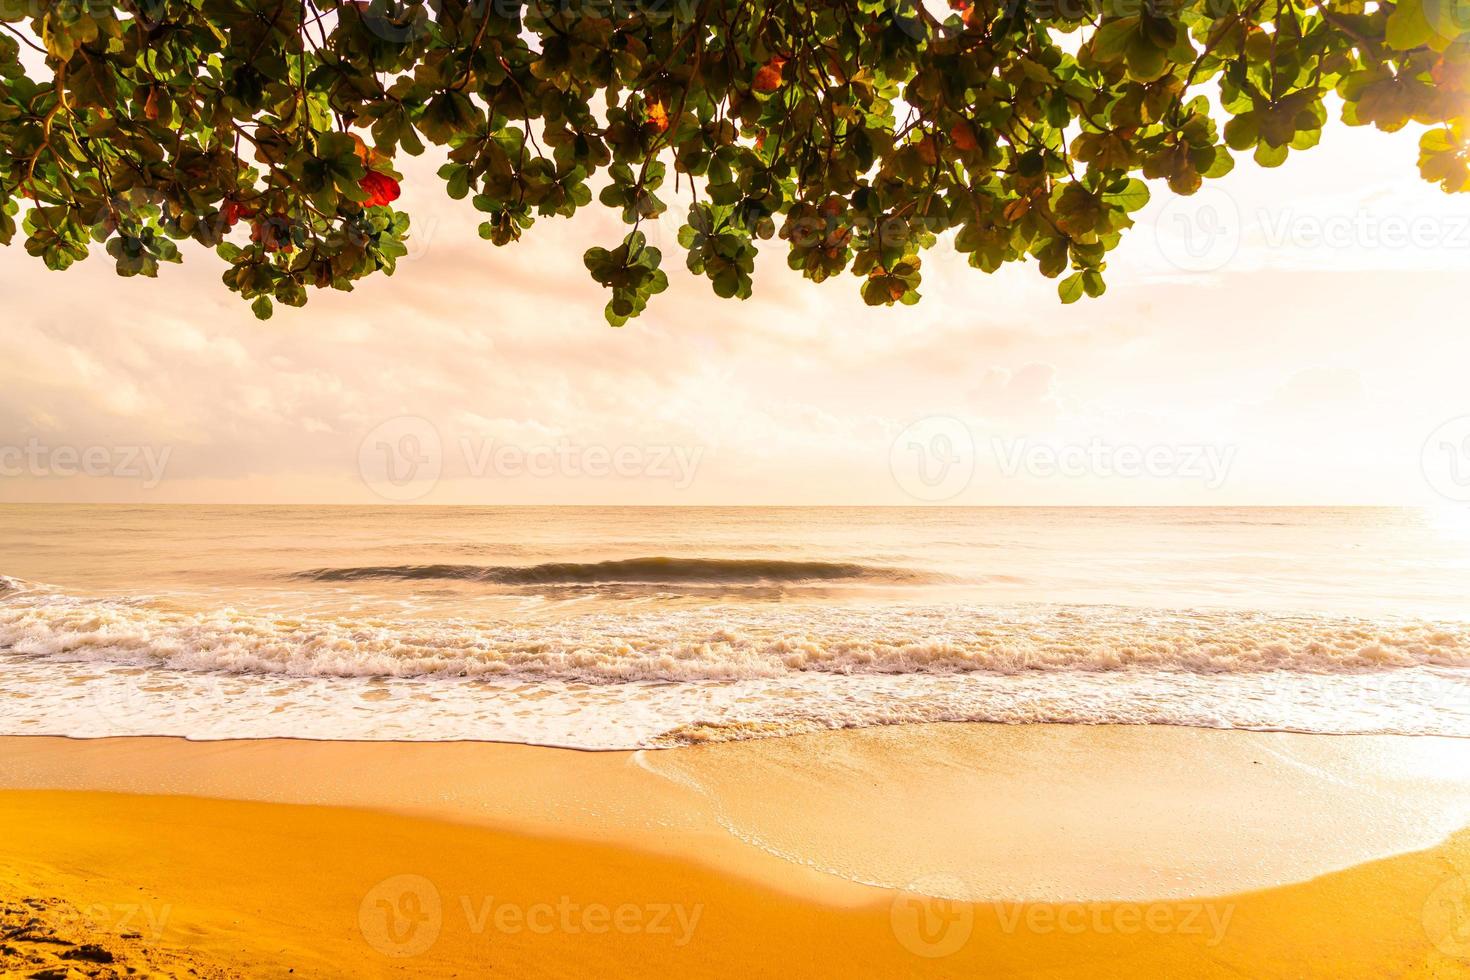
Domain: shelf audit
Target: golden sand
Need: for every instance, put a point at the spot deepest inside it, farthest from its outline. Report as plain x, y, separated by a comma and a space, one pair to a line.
476, 860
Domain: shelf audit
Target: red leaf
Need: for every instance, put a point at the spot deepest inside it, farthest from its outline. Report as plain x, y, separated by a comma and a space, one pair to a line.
768, 78
381, 189
658, 116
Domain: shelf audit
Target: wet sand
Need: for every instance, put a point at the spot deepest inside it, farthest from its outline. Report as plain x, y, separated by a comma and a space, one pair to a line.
943, 850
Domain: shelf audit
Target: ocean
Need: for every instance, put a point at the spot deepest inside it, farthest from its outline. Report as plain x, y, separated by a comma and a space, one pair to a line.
618, 628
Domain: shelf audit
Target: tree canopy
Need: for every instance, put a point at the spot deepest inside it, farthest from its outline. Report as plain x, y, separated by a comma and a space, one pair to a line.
857, 131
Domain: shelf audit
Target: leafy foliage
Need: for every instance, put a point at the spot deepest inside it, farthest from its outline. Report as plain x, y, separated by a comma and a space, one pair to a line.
858, 131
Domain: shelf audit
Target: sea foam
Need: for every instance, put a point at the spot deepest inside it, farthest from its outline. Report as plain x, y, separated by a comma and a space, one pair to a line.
654, 676
725, 643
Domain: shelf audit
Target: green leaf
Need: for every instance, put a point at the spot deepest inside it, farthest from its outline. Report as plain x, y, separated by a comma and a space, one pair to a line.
1271, 156
1132, 196
1407, 26
1092, 283
860, 133
1071, 288
1112, 39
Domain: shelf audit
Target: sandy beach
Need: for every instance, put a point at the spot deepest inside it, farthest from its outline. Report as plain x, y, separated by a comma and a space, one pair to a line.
1057, 851
461, 525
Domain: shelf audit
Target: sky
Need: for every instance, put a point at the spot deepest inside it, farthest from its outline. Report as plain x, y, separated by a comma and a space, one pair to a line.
1293, 336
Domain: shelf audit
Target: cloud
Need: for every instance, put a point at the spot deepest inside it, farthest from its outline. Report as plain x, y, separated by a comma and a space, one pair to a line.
1028, 393
1317, 391
794, 396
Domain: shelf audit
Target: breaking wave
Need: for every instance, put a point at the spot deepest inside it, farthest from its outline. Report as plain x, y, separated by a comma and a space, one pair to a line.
652, 677
634, 571
725, 645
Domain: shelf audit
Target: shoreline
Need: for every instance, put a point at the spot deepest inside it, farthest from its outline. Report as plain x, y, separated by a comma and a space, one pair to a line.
280, 855
1125, 812
772, 733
